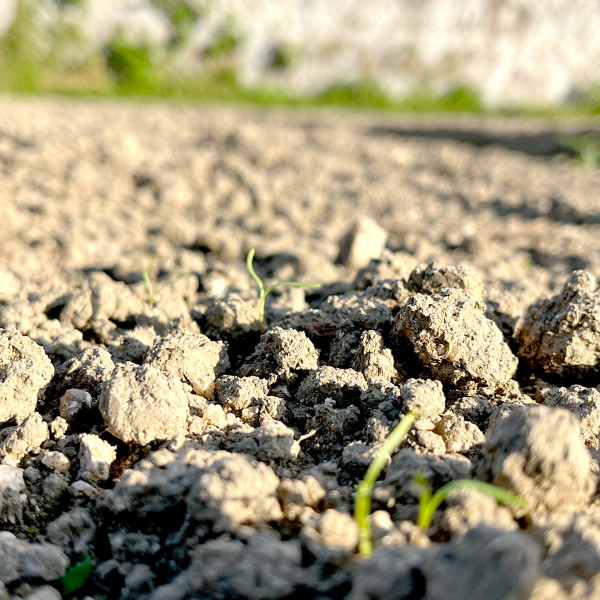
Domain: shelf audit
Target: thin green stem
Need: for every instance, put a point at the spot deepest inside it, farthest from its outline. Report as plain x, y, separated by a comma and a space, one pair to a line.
152, 294
148, 283
264, 293
250, 267
362, 508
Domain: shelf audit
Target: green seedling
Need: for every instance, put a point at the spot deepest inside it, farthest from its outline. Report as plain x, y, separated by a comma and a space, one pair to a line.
264, 292
586, 148
151, 294
76, 576
362, 507
429, 502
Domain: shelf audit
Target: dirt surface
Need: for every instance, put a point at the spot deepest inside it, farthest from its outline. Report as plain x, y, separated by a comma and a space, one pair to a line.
189, 456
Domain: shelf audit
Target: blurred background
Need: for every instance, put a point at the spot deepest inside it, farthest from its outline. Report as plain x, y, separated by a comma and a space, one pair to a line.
481, 55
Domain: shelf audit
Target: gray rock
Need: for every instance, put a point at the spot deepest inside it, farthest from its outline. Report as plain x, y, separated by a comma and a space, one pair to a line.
12, 498
16, 442
572, 550
297, 494
230, 491
72, 531
264, 568
390, 574
453, 341
95, 458
282, 355
434, 277
238, 393
189, 357
356, 459
44, 592
467, 508
537, 452
100, 299
373, 359
365, 241
86, 371
233, 316
22, 559
343, 386
425, 397
25, 371
485, 564
458, 434
332, 425
561, 335
222, 491
140, 404
362, 310
390, 265
583, 402
270, 443
399, 480
56, 460
73, 402
331, 536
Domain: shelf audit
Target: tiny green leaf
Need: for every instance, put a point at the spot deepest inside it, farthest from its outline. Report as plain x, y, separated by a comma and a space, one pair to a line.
429, 503
76, 576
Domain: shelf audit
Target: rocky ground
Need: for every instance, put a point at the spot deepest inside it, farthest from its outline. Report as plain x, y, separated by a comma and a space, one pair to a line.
181, 454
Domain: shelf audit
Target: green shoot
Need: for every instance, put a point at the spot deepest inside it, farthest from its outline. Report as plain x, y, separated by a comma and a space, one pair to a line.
151, 294
76, 576
362, 507
264, 292
429, 503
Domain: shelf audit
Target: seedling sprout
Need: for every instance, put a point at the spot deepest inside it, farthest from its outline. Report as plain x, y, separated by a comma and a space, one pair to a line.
429, 503
264, 292
151, 294
362, 507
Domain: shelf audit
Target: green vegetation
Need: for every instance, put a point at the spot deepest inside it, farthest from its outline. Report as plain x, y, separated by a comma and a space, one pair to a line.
133, 67
369, 94
182, 14
76, 576
429, 503
586, 148
61, 60
283, 56
21, 64
152, 295
362, 506
265, 292
225, 43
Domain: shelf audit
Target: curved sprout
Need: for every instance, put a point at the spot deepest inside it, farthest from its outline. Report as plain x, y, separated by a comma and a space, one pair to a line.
265, 292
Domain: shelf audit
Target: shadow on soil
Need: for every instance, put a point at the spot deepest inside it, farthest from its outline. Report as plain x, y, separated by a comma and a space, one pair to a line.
546, 143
